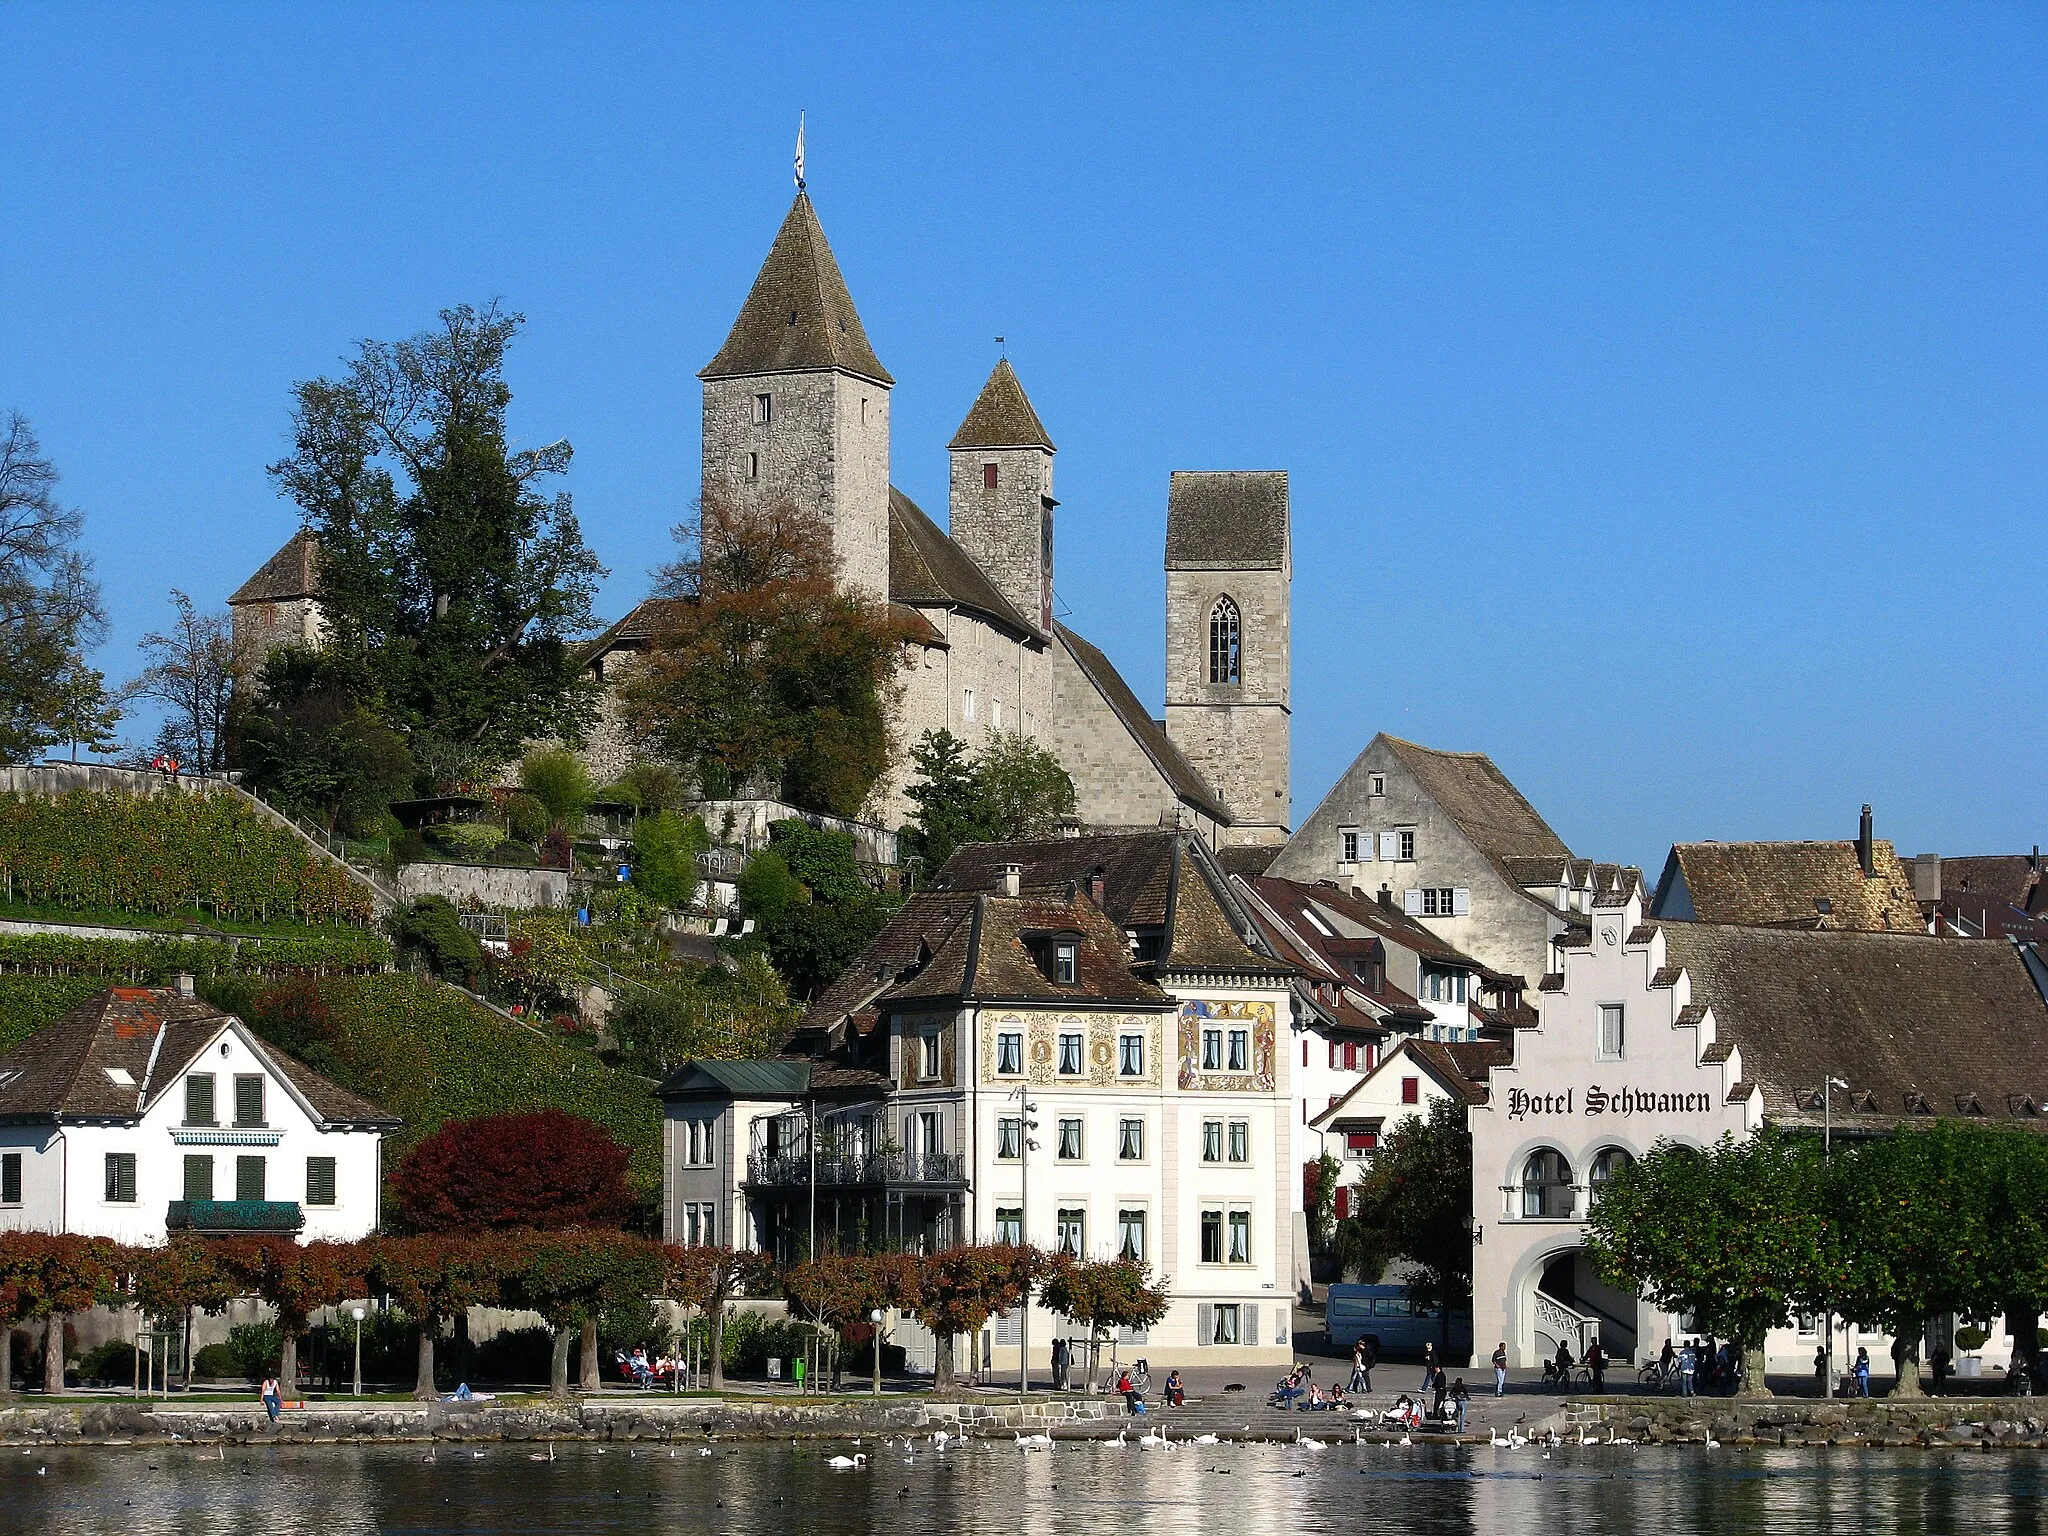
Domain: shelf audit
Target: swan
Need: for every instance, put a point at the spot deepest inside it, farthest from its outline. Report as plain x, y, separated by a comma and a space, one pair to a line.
1404, 1438
1309, 1445
1712, 1443
1614, 1439
536, 1456
1120, 1440
1151, 1439
1204, 1440
1494, 1439
846, 1463
1584, 1438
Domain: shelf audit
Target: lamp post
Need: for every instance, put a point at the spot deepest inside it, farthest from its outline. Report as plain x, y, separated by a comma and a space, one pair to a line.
1827, 1136
1025, 1126
357, 1314
875, 1317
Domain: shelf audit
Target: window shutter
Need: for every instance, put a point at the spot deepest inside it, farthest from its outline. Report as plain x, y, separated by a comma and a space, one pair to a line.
1390, 847
248, 1100
1411, 902
199, 1099
1251, 1324
198, 1177
10, 1179
1279, 1325
1205, 1322
1461, 901
249, 1180
319, 1181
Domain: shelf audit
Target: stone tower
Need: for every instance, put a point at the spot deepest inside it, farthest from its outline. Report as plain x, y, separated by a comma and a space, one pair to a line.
1001, 502
1229, 571
796, 404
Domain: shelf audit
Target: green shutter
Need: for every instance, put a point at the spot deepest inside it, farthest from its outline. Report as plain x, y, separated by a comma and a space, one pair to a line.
248, 1176
121, 1178
199, 1099
10, 1178
198, 1177
319, 1181
248, 1100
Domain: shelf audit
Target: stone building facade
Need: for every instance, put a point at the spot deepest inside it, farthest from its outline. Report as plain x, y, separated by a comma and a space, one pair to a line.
280, 604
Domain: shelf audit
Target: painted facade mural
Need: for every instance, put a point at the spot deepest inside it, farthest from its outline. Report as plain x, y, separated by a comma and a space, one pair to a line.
1226, 1047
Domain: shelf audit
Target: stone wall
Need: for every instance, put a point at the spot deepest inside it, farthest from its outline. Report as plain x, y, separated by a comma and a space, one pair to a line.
1115, 782
1985, 1423
1236, 736
1007, 530
488, 885
1000, 666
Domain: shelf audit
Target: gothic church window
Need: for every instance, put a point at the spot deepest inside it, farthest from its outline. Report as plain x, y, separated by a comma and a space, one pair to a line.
1226, 643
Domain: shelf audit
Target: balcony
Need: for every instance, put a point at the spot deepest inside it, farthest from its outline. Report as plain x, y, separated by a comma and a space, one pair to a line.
222, 1217
841, 1171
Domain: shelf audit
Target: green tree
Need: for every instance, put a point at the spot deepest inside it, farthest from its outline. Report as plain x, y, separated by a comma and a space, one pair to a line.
429, 930
1026, 787
315, 748
451, 582
1104, 1296
953, 802
1416, 1201
665, 849
649, 787
711, 1278
815, 933
83, 713
557, 778
50, 611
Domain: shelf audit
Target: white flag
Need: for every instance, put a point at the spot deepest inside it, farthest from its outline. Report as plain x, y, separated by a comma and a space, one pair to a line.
799, 151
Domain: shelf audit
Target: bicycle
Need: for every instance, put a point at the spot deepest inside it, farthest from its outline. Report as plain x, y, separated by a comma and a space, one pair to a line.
1658, 1375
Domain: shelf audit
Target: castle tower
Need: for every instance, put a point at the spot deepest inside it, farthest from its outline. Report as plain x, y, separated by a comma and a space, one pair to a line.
1000, 506
1229, 571
796, 404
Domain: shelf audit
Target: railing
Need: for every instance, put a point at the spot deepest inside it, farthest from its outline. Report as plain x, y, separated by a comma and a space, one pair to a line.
1561, 1322
794, 1169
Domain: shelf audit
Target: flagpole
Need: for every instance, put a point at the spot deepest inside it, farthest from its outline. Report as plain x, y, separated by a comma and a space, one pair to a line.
800, 151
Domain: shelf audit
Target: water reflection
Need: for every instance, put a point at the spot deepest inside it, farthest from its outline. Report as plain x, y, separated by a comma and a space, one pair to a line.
1238, 1490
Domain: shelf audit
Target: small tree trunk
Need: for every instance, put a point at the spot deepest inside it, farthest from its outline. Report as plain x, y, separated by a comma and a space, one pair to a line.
288, 1363
1749, 1379
558, 1364
715, 1318
53, 1354
942, 1363
7, 1363
588, 1381
1906, 1359
423, 1385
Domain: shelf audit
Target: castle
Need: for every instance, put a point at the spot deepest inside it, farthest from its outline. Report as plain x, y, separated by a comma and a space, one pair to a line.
796, 410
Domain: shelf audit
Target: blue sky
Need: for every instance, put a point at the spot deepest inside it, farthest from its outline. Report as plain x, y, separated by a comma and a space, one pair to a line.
1662, 387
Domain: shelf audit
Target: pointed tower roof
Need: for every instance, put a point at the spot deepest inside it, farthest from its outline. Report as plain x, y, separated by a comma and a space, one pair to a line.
1002, 417
798, 316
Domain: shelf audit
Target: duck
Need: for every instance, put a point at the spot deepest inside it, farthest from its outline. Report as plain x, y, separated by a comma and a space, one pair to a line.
846, 1463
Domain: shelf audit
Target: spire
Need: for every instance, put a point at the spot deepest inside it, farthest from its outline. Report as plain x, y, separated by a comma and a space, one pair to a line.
798, 316
1002, 417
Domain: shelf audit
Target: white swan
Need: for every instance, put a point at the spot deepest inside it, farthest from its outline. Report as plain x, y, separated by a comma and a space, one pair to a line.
1204, 1440
846, 1463
1712, 1443
536, 1456
1494, 1439
1309, 1445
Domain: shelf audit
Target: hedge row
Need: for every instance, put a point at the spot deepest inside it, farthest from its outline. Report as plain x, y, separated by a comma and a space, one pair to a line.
167, 853
148, 959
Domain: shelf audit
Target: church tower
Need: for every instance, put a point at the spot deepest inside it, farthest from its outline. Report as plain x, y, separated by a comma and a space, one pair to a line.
1229, 575
796, 404
1000, 506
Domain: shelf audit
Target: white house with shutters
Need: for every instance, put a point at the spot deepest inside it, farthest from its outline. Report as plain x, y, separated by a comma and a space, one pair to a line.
145, 1110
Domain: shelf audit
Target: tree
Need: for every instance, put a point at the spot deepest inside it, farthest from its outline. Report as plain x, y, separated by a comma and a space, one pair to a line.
952, 799
557, 778
1416, 1201
82, 712
430, 930
665, 849
297, 1280
819, 927
451, 584
839, 1291
649, 787
544, 958
723, 1015
45, 1277
312, 745
546, 1169
179, 1277
573, 1278
957, 1290
1734, 1236
2012, 1211
1026, 787
1105, 1295
710, 1279
436, 1278
50, 610
194, 668
1319, 1198
765, 673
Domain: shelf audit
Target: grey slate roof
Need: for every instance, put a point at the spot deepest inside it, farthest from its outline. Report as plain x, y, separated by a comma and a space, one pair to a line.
780, 1077
289, 573
1151, 737
928, 570
1234, 519
798, 316
1001, 416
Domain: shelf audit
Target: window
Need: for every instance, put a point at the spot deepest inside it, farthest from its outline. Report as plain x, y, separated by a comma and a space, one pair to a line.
928, 1055
198, 1177
1404, 840
1240, 1141
1130, 1234
1411, 1090
967, 704
764, 410
1212, 1141
1009, 1138
1376, 784
1359, 1145
753, 466
199, 1099
1240, 1237
1073, 1233
319, 1181
931, 1140
1010, 1052
1347, 840
1605, 1165
1226, 649
1130, 1139
995, 714
700, 1224
10, 1178
1547, 1185
121, 1178
1443, 986
1009, 1224
1070, 1138
1212, 1237
1070, 1055
248, 1099
1212, 1050
1066, 968
1130, 1055
1223, 1323
697, 1143
249, 1178
1240, 1050
1610, 1032
1438, 901
989, 477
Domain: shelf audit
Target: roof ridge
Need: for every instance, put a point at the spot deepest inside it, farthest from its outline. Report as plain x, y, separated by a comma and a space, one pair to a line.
1002, 415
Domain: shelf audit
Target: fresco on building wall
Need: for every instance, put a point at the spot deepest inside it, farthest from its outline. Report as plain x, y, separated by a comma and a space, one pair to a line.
1101, 1037
1199, 1016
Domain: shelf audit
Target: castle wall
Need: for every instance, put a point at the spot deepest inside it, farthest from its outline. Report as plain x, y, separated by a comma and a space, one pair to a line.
1237, 737
1007, 531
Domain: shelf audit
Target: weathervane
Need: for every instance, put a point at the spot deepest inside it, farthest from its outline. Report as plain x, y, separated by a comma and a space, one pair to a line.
799, 151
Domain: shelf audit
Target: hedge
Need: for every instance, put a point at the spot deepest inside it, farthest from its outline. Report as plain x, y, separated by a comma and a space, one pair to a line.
147, 959
167, 853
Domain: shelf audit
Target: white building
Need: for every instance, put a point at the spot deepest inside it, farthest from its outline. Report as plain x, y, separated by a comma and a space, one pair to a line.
1408, 1082
147, 1110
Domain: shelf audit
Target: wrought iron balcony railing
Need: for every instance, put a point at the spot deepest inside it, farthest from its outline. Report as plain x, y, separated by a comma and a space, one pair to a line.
870, 1168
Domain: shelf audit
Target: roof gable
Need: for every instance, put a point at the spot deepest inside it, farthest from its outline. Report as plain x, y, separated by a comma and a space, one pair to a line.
289, 573
798, 316
1001, 416
1494, 815
927, 569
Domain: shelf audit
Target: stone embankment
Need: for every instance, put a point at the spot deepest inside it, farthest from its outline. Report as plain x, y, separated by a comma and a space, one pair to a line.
1986, 1423
649, 1419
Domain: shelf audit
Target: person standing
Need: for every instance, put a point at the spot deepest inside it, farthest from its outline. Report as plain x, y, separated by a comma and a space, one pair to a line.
1059, 1364
1359, 1381
1562, 1366
1596, 1365
1461, 1400
1667, 1364
1862, 1372
1428, 1365
1440, 1390
1688, 1363
1500, 1369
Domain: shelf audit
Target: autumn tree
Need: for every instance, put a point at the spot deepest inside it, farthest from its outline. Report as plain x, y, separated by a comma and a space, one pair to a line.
1104, 1296
1415, 1202
297, 1280
763, 671
50, 610
45, 1277
438, 1278
842, 1291
710, 1279
572, 1279
180, 1277
544, 1169
194, 668
957, 1290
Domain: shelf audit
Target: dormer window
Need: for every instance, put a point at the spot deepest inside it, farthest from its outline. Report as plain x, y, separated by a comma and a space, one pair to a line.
1066, 962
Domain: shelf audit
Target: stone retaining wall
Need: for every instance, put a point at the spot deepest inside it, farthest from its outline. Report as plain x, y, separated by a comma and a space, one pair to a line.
1937, 1421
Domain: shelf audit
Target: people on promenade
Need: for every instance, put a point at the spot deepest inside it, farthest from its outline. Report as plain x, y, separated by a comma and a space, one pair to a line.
1500, 1368
1688, 1368
1596, 1365
273, 1398
1667, 1363
1059, 1364
1820, 1369
1360, 1380
1428, 1365
1293, 1385
1562, 1366
1176, 1390
1461, 1399
1440, 1389
1862, 1372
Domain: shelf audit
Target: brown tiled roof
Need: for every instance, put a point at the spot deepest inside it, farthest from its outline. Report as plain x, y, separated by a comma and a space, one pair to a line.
1232, 519
1667, 976
1782, 885
636, 631
1151, 737
927, 569
289, 573
1248, 859
1554, 982
1001, 416
798, 317
63, 1066
1889, 1013
1463, 1065
2012, 878
1478, 797
1288, 897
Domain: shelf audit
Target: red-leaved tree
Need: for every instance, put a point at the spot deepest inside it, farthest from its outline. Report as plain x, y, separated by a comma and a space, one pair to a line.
297, 1281
957, 1290
571, 1279
46, 1277
544, 1170
710, 1279
436, 1278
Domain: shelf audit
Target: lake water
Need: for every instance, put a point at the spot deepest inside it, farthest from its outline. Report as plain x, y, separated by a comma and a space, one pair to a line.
1235, 1490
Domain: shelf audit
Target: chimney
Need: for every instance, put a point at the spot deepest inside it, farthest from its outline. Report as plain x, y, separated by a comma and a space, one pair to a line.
1927, 877
1863, 853
183, 982
1010, 879
1095, 883
1386, 898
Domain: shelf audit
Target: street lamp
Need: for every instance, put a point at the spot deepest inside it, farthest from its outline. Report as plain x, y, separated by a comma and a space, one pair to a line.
1025, 1145
357, 1314
1827, 1136
875, 1317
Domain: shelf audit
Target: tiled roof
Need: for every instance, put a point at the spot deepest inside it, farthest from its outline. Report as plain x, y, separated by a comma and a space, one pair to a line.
1001, 416
1783, 885
2013, 878
1151, 737
1233, 519
1248, 859
927, 569
1475, 794
798, 317
289, 573
1289, 897
781, 1077
636, 631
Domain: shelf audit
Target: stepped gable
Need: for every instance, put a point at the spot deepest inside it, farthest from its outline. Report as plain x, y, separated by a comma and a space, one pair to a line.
928, 570
1002, 417
798, 316
291, 572
1149, 734
1232, 519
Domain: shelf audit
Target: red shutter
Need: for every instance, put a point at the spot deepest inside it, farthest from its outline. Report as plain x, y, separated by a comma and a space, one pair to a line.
1411, 1090
1343, 1203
